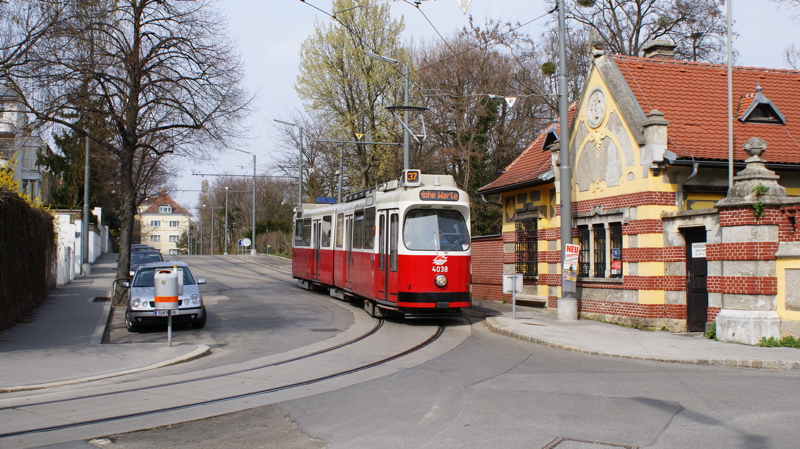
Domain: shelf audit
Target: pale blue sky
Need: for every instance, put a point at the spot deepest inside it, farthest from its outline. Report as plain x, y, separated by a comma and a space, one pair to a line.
270, 34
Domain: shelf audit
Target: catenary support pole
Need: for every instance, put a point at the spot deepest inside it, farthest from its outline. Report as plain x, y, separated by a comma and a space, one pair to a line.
567, 305
730, 94
253, 247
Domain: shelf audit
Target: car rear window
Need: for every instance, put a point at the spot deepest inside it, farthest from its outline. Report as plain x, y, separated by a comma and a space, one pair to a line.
140, 257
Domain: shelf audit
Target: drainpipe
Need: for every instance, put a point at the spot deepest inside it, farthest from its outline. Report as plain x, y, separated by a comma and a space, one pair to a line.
681, 190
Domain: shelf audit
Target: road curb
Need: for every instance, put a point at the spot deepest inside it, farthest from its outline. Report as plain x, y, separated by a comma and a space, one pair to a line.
199, 351
495, 327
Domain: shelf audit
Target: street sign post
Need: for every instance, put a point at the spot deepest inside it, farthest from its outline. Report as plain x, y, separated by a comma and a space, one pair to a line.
512, 283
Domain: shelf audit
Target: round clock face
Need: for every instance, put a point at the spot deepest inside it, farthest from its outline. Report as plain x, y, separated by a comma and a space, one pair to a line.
595, 108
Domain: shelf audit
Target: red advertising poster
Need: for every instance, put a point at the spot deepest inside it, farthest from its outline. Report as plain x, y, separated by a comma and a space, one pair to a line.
571, 262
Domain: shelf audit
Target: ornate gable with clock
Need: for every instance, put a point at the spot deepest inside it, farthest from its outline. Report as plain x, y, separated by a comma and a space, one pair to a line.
595, 107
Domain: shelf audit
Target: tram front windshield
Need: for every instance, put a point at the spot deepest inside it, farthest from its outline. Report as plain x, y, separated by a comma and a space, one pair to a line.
435, 230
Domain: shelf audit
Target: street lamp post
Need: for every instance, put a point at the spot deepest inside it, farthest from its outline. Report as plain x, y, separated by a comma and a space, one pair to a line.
201, 229
341, 173
406, 162
253, 233
225, 242
86, 267
299, 164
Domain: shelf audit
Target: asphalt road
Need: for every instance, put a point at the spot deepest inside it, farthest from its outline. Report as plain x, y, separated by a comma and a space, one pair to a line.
254, 309
475, 390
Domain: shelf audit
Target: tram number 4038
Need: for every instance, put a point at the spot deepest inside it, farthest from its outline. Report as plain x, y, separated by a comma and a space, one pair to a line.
439, 269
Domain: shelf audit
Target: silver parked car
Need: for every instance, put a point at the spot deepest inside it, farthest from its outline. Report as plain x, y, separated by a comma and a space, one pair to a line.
141, 298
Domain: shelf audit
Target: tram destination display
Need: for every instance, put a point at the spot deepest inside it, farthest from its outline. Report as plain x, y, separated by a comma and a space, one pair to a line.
438, 195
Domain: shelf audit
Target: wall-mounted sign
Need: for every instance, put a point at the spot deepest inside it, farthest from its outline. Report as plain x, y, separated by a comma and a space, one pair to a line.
699, 250
438, 195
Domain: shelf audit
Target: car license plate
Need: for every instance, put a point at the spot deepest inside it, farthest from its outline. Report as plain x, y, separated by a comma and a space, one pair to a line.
163, 313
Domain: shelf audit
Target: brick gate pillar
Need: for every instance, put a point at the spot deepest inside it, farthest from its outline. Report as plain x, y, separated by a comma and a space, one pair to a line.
749, 219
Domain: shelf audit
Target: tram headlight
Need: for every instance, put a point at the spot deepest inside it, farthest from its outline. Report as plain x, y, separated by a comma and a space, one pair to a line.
440, 280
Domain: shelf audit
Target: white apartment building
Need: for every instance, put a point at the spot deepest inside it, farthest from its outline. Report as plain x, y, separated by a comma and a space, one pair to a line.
19, 149
161, 223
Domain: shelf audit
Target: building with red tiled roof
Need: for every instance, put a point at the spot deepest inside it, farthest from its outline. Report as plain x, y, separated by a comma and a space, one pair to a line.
161, 222
664, 240
694, 99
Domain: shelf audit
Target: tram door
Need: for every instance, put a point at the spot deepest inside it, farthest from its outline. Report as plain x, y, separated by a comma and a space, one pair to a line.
317, 235
388, 223
394, 237
348, 267
696, 273
382, 280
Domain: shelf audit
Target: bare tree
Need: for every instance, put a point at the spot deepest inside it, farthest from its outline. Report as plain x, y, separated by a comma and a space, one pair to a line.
160, 73
275, 199
22, 24
697, 27
474, 132
792, 57
347, 91
791, 3
792, 53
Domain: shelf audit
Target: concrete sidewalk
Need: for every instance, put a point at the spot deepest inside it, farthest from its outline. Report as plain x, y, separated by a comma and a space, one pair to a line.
592, 337
62, 341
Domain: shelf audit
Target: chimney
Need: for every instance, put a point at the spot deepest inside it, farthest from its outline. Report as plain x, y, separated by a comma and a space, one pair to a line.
162, 191
660, 49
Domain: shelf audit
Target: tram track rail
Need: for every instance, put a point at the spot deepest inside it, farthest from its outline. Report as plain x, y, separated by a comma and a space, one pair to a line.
196, 404
375, 329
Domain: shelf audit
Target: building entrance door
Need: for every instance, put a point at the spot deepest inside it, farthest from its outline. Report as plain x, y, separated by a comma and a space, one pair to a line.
696, 274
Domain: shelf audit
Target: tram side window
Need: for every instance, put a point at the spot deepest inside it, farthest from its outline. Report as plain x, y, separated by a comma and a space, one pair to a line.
306, 232
358, 229
369, 227
325, 231
340, 230
302, 232
298, 233
394, 224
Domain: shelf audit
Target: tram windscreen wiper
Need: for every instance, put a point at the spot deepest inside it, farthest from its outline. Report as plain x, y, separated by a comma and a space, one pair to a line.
458, 242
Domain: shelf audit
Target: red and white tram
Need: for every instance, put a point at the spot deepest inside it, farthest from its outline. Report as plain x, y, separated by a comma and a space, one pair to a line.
403, 247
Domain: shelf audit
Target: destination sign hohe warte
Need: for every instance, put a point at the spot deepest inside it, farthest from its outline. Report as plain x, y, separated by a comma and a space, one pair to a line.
438, 195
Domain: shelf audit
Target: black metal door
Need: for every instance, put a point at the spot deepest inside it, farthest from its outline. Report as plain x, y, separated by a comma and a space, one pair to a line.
696, 274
